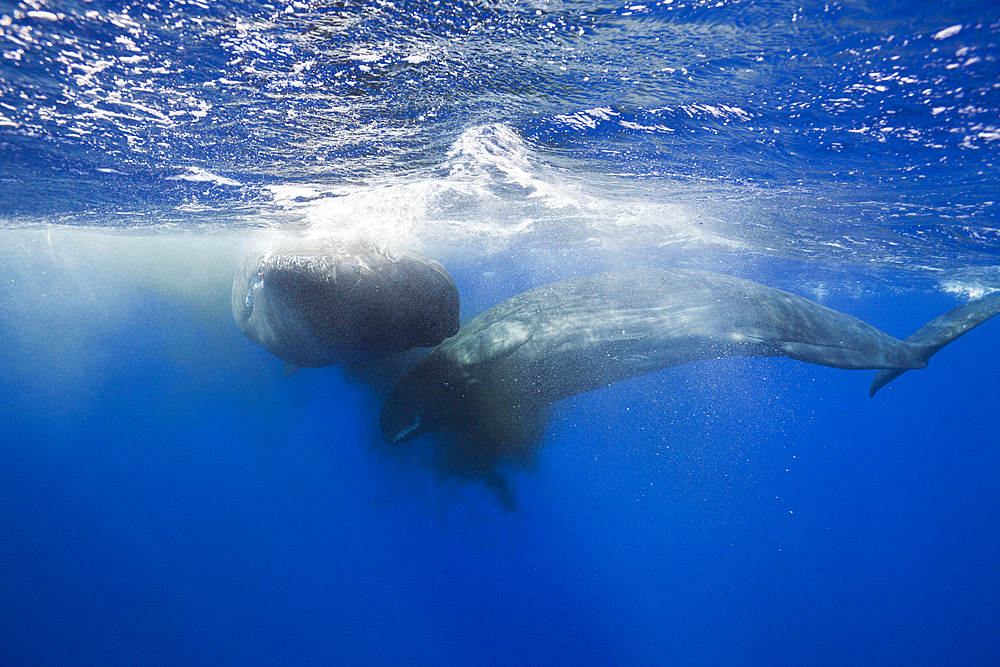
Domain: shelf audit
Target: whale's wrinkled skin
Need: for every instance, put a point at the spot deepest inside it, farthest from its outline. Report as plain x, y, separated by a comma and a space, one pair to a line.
328, 302
490, 385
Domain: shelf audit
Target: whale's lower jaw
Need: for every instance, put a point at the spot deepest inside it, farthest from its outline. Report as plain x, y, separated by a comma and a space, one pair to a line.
408, 433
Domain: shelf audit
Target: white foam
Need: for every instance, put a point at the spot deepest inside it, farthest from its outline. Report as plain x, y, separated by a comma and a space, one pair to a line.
197, 174
967, 291
950, 31
492, 192
45, 16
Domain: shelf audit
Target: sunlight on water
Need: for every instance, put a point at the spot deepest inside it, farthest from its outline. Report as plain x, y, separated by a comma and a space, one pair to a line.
492, 193
661, 125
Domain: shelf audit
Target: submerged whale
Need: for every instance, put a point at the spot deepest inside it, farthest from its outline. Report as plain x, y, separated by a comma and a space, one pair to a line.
490, 385
328, 302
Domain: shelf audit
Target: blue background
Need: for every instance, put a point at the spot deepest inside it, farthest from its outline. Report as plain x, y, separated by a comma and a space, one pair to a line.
167, 499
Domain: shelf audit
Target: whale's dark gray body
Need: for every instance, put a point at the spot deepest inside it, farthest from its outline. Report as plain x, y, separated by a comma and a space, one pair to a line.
327, 302
491, 383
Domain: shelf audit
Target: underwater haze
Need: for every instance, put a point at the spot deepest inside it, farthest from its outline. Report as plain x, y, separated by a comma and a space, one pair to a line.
167, 498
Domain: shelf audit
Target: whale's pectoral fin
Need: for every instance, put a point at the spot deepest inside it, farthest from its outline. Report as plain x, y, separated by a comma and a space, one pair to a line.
939, 332
289, 370
493, 343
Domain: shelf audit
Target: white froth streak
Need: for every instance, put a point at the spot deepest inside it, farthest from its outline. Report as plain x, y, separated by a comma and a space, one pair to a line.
197, 174
950, 31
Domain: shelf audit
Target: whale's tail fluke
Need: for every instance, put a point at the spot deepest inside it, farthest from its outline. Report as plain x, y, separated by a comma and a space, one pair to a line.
939, 332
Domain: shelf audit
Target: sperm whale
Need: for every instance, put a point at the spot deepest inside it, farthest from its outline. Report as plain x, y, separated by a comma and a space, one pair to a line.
328, 302
490, 385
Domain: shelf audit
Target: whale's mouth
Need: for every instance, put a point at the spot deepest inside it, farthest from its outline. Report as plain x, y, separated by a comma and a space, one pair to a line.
248, 303
410, 432
255, 280
401, 424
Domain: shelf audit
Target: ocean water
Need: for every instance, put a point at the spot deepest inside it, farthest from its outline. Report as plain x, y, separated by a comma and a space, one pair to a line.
166, 498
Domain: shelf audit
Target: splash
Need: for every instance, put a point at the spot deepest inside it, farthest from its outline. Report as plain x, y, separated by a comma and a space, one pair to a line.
493, 191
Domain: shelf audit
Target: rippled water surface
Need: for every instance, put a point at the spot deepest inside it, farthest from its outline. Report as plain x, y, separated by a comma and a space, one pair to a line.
831, 131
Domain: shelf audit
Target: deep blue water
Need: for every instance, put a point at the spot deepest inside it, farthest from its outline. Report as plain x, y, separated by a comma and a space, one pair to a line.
168, 499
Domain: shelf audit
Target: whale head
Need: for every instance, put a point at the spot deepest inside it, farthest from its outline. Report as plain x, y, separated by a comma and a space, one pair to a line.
432, 396
485, 419
323, 303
